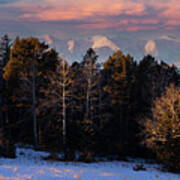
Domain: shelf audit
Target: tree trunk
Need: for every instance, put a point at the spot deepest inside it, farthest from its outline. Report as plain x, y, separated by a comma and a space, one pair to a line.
1, 93
1, 112
99, 100
34, 107
87, 101
64, 117
64, 111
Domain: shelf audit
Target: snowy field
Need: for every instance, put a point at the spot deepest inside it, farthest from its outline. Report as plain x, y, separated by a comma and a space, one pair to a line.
28, 165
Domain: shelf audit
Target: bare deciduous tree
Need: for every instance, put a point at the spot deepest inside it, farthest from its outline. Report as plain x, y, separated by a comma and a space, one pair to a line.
57, 95
163, 131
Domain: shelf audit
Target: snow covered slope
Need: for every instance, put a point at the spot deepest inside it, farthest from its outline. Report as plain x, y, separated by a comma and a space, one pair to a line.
28, 165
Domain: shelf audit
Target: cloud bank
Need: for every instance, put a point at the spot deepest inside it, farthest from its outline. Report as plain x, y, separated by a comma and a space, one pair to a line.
119, 15
80, 9
7, 1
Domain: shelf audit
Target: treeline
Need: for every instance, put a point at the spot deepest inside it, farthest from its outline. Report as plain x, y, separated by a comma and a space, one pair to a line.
96, 109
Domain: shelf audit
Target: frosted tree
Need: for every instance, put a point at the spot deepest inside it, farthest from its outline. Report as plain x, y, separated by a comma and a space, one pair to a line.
57, 95
90, 69
163, 131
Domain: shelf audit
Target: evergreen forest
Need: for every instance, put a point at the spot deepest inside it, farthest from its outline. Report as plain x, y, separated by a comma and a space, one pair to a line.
120, 108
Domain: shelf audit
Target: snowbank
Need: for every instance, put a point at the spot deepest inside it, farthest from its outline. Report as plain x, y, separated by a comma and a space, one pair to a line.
29, 165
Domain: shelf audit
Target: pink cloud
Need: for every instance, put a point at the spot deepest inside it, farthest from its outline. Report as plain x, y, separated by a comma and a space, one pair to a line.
81, 9
137, 28
171, 12
128, 25
127, 15
172, 8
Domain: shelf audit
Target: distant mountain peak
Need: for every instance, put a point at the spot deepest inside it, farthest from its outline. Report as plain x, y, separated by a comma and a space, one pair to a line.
169, 38
47, 38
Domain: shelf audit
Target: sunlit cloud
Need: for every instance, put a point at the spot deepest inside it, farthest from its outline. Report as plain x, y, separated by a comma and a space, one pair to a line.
81, 9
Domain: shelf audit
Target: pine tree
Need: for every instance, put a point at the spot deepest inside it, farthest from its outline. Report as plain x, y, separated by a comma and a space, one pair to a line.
89, 125
78, 92
7, 147
119, 72
152, 79
4, 58
29, 62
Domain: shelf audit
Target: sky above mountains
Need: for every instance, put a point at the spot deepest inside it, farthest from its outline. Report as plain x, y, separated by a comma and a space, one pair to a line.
149, 23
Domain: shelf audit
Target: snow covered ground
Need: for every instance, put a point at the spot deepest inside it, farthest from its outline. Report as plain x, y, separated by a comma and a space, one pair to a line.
28, 165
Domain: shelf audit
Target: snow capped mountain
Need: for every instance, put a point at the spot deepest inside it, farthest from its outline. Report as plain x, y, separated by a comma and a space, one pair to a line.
165, 48
170, 38
177, 64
